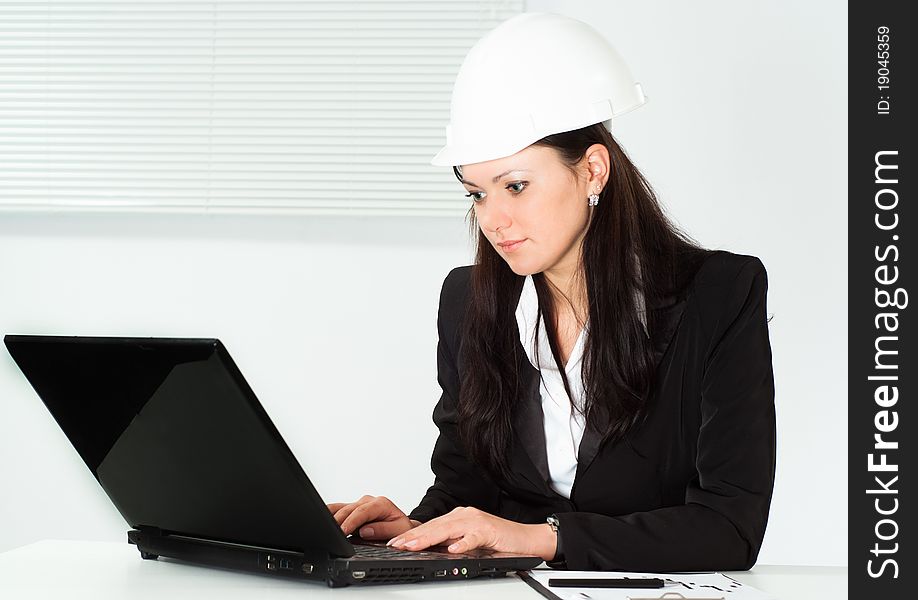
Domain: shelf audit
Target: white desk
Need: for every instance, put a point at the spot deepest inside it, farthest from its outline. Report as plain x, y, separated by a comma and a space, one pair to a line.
103, 570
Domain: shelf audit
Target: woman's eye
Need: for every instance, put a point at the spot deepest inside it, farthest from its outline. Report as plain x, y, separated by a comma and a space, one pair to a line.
516, 187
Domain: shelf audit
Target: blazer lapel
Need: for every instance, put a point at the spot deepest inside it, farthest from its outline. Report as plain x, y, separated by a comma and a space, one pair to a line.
528, 424
663, 320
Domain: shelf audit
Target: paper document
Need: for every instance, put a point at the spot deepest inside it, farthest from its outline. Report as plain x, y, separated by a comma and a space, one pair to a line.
678, 586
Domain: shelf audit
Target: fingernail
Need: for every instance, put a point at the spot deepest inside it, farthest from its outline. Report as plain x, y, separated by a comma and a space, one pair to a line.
453, 547
412, 544
395, 542
366, 532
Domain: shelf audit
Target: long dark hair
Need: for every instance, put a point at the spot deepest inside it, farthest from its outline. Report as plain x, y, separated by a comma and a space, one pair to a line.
630, 247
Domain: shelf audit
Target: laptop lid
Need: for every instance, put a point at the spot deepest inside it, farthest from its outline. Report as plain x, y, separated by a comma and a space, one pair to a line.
178, 440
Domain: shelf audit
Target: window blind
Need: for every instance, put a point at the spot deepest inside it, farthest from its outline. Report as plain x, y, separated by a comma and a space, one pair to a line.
232, 105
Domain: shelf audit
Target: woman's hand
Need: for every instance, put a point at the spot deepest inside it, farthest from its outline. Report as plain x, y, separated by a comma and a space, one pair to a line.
467, 528
376, 518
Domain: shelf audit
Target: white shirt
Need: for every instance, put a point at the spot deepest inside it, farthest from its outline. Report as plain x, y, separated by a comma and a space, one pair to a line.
563, 427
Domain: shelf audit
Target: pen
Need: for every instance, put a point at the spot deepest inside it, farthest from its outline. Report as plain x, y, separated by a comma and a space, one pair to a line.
626, 582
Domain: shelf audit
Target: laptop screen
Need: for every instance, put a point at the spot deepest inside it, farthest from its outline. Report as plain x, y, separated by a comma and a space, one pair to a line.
177, 439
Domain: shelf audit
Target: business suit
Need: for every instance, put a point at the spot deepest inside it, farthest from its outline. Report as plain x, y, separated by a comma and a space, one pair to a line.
689, 489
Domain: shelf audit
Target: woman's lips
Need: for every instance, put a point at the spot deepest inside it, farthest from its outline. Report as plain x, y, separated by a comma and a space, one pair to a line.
511, 245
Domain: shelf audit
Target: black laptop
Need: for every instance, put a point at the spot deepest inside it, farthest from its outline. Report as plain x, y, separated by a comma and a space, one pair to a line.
179, 442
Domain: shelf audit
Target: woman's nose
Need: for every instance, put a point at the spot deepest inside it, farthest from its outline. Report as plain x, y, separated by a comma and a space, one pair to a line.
494, 217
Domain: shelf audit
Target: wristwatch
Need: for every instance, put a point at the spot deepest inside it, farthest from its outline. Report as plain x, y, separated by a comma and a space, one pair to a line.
558, 561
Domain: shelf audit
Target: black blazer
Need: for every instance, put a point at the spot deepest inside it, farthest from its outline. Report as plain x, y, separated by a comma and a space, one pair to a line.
688, 490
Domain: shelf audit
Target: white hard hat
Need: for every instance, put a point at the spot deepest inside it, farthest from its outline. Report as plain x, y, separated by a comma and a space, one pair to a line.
533, 75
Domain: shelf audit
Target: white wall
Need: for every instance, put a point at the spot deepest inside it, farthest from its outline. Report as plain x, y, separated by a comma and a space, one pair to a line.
332, 320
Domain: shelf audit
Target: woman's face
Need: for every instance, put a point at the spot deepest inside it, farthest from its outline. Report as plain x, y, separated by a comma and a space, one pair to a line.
535, 214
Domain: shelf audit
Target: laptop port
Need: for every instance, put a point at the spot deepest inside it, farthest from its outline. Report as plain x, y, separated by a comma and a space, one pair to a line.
286, 564
440, 573
359, 574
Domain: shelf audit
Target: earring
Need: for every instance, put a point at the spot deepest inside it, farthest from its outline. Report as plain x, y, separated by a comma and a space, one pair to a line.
594, 198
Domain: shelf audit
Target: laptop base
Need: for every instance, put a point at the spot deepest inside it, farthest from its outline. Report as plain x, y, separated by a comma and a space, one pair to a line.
336, 572
282, 563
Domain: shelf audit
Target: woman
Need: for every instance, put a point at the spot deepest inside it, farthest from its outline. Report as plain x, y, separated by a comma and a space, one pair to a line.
653, 448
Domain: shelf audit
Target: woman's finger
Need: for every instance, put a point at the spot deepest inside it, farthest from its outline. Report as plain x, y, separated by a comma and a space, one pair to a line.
344, 512
346, 508
433, 533
466, 544
370, 511
384, 530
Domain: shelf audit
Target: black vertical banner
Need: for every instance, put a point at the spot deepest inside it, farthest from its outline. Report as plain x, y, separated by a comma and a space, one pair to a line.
882, 364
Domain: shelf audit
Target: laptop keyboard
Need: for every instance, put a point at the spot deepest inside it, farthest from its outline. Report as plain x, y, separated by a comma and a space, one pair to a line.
385, 552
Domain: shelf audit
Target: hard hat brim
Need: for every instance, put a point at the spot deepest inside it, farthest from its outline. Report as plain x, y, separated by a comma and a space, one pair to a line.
454, 155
